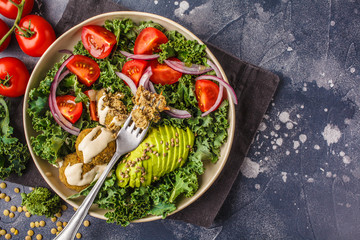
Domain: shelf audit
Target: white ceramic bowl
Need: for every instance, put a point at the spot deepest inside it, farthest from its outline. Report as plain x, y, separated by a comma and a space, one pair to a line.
51, 56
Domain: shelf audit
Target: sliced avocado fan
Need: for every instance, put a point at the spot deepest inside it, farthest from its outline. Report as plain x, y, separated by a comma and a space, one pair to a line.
163, 150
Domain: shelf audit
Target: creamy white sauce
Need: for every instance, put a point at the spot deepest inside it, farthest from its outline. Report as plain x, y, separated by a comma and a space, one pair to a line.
73, 174
102, 112
90, 148
116, 121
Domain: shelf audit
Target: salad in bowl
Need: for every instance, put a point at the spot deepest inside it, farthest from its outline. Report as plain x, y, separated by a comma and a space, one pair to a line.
86, 85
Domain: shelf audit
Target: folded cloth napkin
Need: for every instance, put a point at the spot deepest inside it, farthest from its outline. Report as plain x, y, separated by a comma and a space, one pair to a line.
254, 87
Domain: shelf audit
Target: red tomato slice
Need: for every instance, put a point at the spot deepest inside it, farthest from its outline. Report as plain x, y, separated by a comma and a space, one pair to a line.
92, 106
85, 68
164, 74
98, 40
42, 38
149, 40
134, 69
14, 77
206, 94
9, 10
69, 109
3, 30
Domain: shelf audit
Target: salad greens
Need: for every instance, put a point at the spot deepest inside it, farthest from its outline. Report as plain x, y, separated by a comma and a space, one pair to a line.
128, 204
41, 202
13, 154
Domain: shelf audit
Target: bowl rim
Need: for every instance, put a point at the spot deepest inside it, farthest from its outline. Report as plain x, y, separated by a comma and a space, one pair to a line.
123, 14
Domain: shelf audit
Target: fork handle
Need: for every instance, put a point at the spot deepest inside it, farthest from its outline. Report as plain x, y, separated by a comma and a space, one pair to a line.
69, 232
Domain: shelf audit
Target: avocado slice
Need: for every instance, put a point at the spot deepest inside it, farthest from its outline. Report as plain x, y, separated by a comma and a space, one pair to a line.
130, 170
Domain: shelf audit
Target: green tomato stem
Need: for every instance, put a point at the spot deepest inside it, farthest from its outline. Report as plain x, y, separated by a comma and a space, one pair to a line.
20, 7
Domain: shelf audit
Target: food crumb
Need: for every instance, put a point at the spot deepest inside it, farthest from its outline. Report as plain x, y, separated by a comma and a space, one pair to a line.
8, 236
86, 223
30, 232
6, 212
7, 199
39, 237
78, 235
53, 231
13, 208
2, 185
27, 214
16, 190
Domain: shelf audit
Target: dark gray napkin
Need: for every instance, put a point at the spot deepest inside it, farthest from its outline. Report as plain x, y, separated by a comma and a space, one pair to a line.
254, 87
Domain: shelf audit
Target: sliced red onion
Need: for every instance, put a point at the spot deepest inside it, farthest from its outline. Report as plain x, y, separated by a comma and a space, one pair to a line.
91, 94
215, 68
67, 51
222, 82
144, 80
128, 81
59, 118
173, 112
139, 56
195, 69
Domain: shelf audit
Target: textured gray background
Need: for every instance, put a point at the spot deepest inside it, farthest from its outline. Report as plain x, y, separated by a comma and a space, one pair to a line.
301, 177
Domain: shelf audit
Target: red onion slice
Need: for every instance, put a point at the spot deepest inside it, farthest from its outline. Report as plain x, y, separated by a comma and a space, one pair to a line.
59, 118
144, 80
139, 56
128, 81
215, 68
151, 87
222, 82
92, 95
195, 69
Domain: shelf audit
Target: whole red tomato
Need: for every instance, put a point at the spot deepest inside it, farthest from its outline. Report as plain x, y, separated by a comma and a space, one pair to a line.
43, 35
14, 77
3, 30
9, 10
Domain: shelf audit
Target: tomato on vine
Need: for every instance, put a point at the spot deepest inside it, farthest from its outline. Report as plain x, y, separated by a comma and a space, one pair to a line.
10, 10
3, 30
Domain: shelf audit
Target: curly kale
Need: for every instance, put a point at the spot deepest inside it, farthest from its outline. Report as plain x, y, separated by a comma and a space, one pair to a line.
13, 154
41, 202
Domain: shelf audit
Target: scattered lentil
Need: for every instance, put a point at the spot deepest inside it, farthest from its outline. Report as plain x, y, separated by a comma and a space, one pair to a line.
13, 208
177, 140
11, 215
30, 232
27, 214
8, 236
42, 223
12, 229
7, 199
63, 207
16, 190
75, 208
37, 224
58, 214
16, 232
2, 232
19, 209
53, 219
24, 208
59, 228
59, 224
39, 237
27, 238
2, 195
32, 224
2, 185
53, 230
6, 212
78, 235
86, 223
176, 134
64, 224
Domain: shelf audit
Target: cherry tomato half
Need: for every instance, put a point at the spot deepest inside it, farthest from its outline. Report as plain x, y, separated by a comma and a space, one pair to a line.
86, 69
3, 30
164, 74
69, 108
206, 94
14, 77
134, 69
42, 38
149, 40
9, 10
98, 40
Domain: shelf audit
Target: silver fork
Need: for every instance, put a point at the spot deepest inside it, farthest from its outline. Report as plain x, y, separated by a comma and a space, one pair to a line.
127, 140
